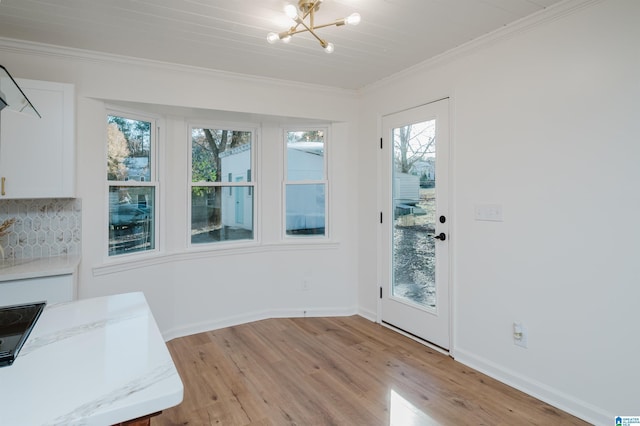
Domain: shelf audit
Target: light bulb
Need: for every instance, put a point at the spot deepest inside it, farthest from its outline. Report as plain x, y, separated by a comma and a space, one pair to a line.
329, 48
353, 19
291, 11
272, 37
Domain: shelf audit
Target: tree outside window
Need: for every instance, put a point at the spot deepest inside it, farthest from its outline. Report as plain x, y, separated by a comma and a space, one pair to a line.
221, 185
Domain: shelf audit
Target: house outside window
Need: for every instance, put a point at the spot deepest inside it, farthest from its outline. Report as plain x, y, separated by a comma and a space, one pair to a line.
221, 186
132, 184
305, 187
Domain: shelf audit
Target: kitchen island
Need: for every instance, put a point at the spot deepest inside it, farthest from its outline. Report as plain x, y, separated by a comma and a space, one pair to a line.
99, 361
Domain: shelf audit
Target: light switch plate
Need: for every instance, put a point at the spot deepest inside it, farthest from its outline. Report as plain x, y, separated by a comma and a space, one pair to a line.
489, 212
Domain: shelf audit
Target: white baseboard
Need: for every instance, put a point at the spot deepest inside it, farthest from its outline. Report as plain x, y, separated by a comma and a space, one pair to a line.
214, 324
561, 400
314, 312
370, 315
218, 323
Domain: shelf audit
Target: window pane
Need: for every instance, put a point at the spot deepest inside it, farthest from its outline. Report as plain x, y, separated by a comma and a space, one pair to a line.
129, 149
305, 209
215, 154
131, 219
305, 155
221, 213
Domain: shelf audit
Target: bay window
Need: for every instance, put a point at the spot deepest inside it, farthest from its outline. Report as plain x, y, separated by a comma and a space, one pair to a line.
132, 184
222, 186
305, 187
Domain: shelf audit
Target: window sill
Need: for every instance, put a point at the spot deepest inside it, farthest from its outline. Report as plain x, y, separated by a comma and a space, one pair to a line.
192, 253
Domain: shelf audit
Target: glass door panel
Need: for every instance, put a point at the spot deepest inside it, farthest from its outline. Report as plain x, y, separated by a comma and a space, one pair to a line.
414, 214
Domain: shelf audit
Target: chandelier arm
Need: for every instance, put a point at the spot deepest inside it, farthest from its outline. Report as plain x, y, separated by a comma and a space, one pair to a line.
312, 14
294, 30
337, 23
322, 42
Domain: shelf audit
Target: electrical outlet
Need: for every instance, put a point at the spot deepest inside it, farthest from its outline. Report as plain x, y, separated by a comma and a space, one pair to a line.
519, 335
305, 285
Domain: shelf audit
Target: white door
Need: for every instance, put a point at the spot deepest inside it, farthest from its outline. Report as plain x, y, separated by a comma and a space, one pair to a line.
415, 222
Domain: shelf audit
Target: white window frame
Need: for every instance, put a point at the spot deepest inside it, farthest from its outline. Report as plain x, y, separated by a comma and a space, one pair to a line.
154, 182
325, 182
252, 185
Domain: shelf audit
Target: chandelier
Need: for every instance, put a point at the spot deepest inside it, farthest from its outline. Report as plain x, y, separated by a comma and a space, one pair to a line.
308, 8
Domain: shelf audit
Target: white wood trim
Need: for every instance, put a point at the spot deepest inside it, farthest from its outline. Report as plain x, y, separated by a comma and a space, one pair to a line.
257, 316
530, 386
49, 50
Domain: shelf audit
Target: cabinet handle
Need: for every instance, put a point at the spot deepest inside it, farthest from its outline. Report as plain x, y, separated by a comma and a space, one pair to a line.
2, 190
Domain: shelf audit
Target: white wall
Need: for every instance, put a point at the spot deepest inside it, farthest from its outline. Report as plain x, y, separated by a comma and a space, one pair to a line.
194, 291
545, 122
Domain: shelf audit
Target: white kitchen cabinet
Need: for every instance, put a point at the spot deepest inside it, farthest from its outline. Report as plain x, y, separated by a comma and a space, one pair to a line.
37, 155
52, 289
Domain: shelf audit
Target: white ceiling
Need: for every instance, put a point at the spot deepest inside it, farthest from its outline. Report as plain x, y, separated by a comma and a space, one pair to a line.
230, 35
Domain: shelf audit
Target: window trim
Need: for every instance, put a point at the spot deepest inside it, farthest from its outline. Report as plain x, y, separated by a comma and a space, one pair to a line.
252, 185
285, 182
156, 151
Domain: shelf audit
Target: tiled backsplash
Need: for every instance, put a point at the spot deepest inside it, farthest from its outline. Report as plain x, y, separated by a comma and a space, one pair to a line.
43, 227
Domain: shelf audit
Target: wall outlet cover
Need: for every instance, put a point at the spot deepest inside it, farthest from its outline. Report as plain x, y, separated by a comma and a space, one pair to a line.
488, 212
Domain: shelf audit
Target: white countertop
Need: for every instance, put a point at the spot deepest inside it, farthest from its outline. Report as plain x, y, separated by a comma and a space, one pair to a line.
19, 269
95, 361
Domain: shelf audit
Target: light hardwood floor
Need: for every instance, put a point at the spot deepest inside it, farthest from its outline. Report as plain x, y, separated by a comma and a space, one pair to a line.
336, 371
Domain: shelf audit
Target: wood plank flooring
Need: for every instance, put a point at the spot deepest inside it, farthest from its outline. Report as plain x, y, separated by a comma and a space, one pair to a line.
336, 371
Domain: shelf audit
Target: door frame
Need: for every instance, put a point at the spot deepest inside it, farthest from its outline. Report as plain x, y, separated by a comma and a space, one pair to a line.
382, 180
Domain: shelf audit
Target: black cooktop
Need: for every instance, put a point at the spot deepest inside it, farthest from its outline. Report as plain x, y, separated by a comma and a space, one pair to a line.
16, 322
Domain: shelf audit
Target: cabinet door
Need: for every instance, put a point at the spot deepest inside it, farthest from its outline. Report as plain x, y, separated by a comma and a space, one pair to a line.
37, 155
54, 289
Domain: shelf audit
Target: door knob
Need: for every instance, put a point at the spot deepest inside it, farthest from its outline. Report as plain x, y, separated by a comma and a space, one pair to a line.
440, 236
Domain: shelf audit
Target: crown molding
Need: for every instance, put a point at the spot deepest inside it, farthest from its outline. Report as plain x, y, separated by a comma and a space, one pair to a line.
82, 55
509, 31
528, 23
